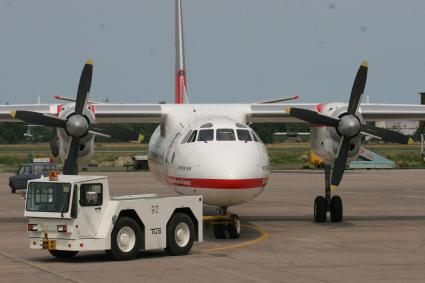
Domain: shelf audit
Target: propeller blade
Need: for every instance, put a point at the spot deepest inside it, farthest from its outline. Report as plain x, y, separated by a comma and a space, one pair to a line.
70, 166
38, 118
54, 145
84, 87
340, 162
358, 88
312, 117
386, 135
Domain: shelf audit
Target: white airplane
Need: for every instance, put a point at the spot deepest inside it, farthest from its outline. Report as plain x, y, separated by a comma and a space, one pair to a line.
209, 149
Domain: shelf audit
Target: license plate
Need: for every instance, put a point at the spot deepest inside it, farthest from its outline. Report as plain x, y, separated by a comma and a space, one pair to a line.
49, 244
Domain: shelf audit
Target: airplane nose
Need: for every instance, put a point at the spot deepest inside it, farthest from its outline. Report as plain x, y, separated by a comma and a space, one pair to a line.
230, 164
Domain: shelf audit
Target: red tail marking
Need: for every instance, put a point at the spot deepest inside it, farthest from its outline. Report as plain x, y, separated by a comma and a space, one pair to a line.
180, 86
319, 107
59, 108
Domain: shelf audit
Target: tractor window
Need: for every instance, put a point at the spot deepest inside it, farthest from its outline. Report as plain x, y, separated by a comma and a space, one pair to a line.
243, 135
48, 197
91, 194
225, 135
74, 205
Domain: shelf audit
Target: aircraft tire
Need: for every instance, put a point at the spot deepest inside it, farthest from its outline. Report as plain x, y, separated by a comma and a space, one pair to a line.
320, 209
219, 231
234, 228
336, 209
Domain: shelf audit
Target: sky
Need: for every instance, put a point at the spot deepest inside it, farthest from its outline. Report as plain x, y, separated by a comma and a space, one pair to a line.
237, 51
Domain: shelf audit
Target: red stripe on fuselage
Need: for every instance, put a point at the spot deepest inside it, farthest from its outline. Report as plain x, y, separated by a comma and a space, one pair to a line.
217, 183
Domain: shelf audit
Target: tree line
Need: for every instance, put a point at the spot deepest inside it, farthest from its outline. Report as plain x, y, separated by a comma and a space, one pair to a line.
15, 133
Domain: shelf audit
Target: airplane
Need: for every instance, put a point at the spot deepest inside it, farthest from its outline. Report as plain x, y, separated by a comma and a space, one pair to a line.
210, 149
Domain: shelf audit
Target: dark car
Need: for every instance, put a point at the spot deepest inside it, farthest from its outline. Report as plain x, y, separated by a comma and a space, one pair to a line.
28, 172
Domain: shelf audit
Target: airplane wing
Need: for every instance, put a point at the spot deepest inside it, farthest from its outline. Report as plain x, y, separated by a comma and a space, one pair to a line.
105, 113
256, 113
275, 113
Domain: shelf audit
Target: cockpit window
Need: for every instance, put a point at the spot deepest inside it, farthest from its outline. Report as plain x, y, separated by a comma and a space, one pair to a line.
243, 135
206, 135
239, 125
254, 136
186, 136
225, 135
192, 137
207, 125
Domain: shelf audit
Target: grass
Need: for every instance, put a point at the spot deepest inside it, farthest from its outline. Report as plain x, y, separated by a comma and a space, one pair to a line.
282, 156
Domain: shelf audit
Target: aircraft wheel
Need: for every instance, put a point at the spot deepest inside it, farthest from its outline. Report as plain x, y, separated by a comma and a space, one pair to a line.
125, 239
235, 227
180, 234
336, 209
63, 254
320, 209
219, 231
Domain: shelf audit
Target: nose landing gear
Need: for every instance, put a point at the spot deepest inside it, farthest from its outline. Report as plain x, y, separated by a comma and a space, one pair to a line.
333, 205
225, 225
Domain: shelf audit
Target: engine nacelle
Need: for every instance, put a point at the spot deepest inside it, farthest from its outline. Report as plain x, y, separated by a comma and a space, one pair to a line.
86, 142
325, 140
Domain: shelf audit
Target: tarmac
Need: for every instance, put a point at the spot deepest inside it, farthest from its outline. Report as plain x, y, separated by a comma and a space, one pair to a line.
382, 237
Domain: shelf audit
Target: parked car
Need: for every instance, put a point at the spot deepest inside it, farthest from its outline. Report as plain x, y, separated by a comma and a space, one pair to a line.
30, 171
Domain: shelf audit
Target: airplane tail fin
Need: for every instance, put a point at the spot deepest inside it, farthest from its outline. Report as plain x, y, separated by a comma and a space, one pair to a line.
180, 90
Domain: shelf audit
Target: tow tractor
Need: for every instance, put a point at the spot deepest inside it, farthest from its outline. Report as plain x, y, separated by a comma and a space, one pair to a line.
72, 213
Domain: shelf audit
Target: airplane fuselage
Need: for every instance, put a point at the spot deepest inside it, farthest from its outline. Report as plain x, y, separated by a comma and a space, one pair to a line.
209, 150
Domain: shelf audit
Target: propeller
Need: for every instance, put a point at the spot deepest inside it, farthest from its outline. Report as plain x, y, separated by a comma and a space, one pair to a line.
76, 125
349, 125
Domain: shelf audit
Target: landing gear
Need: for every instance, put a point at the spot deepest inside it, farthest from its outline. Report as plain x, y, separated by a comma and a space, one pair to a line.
225, 225
324, 204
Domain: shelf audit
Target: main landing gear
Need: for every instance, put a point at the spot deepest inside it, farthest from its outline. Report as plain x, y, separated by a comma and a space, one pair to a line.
225, 225
324, 204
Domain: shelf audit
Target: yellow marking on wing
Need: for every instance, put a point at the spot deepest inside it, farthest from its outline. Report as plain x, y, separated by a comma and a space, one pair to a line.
287, 110
365, 64
410, 141
263, 235
13, 113
89, 62
333, 187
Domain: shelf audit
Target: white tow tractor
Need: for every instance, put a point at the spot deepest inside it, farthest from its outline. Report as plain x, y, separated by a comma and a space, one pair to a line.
68, 214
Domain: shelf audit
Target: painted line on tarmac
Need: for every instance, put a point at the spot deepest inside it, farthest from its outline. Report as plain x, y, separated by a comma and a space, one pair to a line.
263, 235
39, 267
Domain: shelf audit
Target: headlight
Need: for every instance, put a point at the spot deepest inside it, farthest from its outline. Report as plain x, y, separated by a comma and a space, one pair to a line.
62, 228
32, 227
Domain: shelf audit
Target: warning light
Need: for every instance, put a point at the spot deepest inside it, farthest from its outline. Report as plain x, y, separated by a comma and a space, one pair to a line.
53, 176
